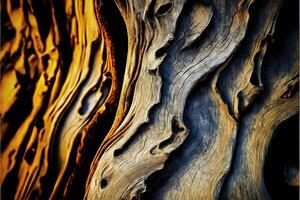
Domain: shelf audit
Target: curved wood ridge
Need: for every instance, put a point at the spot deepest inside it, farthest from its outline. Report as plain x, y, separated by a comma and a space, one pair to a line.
149, 99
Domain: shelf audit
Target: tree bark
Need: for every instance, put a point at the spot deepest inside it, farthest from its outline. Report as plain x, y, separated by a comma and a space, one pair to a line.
149, 99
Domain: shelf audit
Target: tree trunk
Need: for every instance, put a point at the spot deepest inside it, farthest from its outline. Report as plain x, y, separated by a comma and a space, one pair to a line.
149, 99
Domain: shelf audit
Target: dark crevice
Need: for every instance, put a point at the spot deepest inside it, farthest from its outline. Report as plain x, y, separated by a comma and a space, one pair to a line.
6, 26
103, 183
174, 163
152, 112
282, 161
31, 152
176, 128
291, 90
45, 60
153, 72
194, 144
164, 9
43, 15
84, 154
278, 50
112, 24
85, 104
150, 10
225, 84
65, 47
119, 152
162, 51
20, 108
255, 78
10, 182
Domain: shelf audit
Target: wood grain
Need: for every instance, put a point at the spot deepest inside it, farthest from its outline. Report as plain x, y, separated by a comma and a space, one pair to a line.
147, 99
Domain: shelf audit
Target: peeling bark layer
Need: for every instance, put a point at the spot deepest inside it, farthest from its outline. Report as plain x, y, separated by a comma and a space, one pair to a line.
149, 99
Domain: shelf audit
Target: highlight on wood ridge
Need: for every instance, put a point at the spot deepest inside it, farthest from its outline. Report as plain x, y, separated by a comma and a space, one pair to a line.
149, 99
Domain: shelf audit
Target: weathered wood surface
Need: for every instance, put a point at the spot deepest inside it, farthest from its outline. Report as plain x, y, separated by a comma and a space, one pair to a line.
147, 99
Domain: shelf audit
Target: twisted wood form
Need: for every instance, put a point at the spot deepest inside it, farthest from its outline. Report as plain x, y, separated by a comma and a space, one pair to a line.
149, 99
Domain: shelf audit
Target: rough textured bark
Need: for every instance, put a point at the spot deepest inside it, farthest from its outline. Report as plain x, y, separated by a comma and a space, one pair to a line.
149, 99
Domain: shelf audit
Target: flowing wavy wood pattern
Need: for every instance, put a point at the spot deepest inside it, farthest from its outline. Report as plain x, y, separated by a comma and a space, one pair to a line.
149, 99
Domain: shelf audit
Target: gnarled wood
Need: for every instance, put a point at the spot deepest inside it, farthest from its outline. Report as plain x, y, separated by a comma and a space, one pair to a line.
147, 99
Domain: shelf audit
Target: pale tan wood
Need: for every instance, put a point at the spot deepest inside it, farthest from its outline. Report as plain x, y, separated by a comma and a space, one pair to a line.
145, 99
